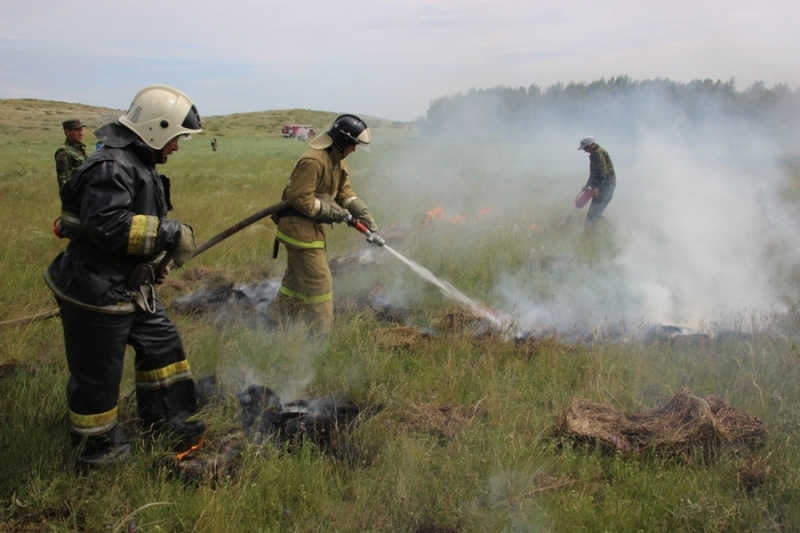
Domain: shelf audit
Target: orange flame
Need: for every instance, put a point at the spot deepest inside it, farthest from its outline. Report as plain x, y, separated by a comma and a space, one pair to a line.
434, 214
183, 455
439, 213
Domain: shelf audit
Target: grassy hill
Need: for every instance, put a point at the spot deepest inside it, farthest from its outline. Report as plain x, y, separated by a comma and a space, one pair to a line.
35, 119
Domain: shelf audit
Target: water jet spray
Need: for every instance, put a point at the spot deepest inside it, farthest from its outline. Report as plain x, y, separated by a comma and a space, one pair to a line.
447, 289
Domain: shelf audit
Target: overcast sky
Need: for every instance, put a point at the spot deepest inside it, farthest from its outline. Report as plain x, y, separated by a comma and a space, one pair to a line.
379, 58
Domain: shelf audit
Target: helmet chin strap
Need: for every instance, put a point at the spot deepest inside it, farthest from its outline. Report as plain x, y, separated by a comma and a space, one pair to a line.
158, 157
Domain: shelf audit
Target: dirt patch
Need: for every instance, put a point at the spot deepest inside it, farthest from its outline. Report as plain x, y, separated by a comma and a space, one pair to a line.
682, 426
530, 343
402, 337
461, 320
9, 368
442, 421
753, 473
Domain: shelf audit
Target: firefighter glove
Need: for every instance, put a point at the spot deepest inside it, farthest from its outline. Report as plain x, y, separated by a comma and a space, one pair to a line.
330, 214
358, 208
185, 249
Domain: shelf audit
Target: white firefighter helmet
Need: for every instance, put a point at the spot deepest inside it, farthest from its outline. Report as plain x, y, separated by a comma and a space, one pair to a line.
347, 130
160, 113
586, 141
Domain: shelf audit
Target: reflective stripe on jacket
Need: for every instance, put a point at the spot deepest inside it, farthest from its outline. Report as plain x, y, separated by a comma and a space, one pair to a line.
115, 207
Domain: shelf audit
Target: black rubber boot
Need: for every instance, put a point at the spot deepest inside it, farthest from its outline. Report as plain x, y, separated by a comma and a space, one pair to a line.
101, 450
181, 429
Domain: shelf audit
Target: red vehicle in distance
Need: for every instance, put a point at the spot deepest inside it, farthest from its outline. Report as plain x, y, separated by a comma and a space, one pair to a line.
297, 130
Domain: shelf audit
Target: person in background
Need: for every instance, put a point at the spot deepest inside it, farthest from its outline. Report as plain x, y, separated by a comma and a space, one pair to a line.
70, 155
319, 193
602, 179
214, 144
114, 214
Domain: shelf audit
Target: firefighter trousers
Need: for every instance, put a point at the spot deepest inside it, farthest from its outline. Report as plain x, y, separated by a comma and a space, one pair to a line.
95, 345
306, 291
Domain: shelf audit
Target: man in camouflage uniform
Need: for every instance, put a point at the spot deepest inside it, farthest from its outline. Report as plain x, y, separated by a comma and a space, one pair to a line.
70, 155
114, 213
319, 193
602, 179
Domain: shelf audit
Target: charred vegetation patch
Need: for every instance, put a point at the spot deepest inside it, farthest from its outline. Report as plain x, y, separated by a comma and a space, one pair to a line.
264, 419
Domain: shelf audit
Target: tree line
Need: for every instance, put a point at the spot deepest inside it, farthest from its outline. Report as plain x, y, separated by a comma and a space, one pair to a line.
618, 103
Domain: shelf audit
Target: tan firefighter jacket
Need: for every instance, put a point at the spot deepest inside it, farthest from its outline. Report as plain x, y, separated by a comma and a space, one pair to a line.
318, 175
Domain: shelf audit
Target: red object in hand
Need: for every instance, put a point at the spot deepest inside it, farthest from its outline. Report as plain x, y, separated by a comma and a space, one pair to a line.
360, 227
583, 198
55, 228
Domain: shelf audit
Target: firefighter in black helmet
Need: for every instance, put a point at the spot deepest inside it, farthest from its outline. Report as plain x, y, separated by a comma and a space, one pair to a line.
319, 193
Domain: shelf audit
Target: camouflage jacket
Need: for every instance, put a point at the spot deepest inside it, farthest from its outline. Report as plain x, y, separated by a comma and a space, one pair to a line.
69, 157
601, 170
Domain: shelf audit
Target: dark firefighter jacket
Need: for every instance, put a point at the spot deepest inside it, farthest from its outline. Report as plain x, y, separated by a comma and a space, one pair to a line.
113, 212
318, 174
601, 170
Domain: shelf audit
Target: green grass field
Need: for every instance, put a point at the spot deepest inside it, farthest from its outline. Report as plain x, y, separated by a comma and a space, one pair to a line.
464, 438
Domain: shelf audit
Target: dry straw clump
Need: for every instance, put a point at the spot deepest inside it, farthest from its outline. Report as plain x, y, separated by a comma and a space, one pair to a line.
402, 337
682, 426
442, 421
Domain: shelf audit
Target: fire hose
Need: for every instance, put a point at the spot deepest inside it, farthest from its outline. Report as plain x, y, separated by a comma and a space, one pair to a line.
219, 237
213, 241
372, 237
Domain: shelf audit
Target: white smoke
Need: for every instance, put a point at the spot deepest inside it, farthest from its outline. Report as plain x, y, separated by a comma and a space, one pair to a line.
700, 231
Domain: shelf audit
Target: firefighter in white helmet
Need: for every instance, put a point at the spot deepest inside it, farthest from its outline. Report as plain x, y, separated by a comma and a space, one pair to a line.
602, 179
319, 193
114, 213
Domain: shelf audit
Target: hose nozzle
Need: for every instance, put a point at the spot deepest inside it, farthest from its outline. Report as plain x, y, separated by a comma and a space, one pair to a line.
372, 237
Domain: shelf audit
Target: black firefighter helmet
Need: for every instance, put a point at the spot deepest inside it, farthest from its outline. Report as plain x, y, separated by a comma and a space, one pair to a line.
347, 130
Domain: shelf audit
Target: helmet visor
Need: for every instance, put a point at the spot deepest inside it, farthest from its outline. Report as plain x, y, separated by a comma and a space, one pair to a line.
192, 120
363, 140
